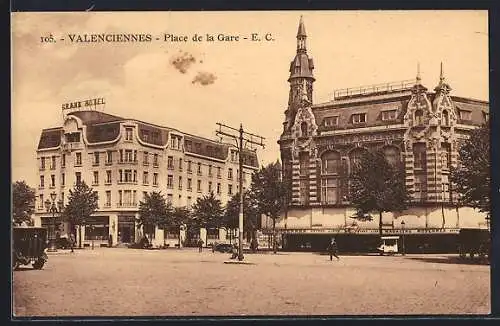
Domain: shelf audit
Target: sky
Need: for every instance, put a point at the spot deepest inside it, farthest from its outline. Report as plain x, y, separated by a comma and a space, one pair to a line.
193, 85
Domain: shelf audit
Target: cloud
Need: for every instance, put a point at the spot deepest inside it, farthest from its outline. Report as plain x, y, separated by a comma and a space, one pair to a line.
204, 78
183, 62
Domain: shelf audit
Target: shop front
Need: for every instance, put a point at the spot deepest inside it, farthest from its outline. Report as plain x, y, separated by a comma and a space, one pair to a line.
96, 231
126, 229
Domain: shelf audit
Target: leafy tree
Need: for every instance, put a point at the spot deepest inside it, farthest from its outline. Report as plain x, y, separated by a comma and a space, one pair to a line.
378, 186
471, 178
251, 213
153, 212
207, 212
23, 202
82, 203
271, 193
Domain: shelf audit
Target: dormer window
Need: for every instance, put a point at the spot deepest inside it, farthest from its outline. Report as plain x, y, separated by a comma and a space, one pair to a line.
446, 118
419, 117
389, 115
359, 118
331, 121
128, 134
465, 115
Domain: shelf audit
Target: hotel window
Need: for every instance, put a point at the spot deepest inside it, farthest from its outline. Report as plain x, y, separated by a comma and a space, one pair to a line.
230, 189
198, 186
446, 118
304, 129
135, 176
419, 155
78, 158
52, 180
155, 179
121, 155
180, 183
63, 179
218, 172
53, 163
108, 176
42, 163
128, 134
96, 158
218, 188
189, 185
134, 197
108, 198
304, 191
109, 157
42, 181
170, 181
209, 170
78, 177
121, 175
128, 155
176, 142
62, 198
145, 178
180, 164
389, 115
465, 115
359, 118
189, 167
146, 158
445, 188
331, 121
419, 117
120, 198
189, 201
420, 187
40, 202
135, 156
329, 191
304, 164
234, 156
128, 175
199, 168
155, 160
210, 186
170, 163
446, 156
63, 160
230, 174
169, 199
96, 178
127, 197
189, 145
331, 163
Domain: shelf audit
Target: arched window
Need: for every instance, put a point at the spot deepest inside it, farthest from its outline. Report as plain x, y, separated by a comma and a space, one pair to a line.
419, 155
303, 129
355, 157
391, 154
330, 163
419, 117
446, 118
446, 156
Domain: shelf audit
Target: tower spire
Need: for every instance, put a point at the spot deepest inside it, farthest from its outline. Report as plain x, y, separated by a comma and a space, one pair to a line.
302, 30
441, 74
301, 37
443, 85
419, 79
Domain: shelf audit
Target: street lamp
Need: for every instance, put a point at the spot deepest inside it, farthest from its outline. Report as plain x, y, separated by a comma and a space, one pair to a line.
51, 207
403, 237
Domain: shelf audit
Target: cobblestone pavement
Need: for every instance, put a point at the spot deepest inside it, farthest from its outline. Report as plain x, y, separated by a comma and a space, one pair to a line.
128, 282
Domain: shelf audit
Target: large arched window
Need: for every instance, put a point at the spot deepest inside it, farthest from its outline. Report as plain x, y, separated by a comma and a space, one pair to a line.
330, 163
419, 155
355, 157
391, 154
419, 117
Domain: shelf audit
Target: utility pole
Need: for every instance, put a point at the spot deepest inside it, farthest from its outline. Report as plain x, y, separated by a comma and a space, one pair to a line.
240, 137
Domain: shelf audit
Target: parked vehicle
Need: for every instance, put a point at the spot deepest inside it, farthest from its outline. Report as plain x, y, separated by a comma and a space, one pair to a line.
223, 247
389, 245
28, 246
474, 242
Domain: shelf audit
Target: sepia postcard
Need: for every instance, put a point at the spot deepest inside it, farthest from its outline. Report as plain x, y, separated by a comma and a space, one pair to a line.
250, 163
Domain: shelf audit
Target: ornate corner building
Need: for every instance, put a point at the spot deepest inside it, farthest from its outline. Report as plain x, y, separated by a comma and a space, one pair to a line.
122, 159
321, 142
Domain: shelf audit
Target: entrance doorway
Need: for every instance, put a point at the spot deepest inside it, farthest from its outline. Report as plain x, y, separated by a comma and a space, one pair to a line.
126, 229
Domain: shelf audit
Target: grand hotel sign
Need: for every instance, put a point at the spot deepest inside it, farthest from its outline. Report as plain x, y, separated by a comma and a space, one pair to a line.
84, 105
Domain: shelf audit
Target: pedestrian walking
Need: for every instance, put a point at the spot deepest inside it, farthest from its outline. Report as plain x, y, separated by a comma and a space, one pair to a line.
71, 241
333, 249
200, 245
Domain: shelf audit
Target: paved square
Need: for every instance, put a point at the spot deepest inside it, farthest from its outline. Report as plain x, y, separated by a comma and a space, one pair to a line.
128, 282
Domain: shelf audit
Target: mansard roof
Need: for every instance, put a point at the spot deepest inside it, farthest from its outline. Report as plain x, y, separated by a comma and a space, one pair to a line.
50, 137
374, 104
95, 117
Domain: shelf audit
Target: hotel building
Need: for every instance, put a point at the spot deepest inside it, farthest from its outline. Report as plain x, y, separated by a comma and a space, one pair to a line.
123, 159
421, 128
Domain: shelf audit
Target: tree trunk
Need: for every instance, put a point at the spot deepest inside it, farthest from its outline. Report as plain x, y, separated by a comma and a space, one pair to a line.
380, 223
274, 235
80, 236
